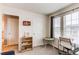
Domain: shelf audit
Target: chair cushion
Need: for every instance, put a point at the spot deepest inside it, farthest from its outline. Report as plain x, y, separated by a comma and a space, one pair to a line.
66, 44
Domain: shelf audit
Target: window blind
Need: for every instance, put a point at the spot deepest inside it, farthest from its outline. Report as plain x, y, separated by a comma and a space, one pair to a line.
56, 27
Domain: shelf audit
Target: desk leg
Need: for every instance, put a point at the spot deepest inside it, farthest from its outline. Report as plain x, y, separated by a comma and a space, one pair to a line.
45, 44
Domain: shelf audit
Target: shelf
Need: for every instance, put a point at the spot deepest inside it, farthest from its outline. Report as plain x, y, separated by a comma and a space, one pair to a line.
26, 43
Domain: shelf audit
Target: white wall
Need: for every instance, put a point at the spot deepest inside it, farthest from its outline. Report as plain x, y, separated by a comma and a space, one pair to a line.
38, 24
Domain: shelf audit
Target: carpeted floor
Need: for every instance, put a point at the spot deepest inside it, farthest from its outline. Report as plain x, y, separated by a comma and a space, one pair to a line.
41, 50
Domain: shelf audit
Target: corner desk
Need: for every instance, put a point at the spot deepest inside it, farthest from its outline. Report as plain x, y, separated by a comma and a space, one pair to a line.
47, 40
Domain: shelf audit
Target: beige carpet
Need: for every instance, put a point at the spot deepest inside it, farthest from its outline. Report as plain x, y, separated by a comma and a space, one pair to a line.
41, 50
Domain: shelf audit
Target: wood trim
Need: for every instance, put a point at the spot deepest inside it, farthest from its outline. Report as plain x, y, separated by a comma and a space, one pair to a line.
4, 22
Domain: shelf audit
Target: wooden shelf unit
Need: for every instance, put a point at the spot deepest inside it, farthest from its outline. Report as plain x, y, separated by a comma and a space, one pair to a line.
26, 43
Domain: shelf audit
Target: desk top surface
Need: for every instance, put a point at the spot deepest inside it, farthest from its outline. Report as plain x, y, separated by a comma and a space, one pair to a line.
48, 38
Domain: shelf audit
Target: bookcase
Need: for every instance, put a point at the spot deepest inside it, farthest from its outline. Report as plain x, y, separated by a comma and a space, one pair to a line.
26, 43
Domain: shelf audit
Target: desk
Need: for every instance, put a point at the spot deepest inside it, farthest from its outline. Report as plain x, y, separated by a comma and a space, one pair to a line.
48, 40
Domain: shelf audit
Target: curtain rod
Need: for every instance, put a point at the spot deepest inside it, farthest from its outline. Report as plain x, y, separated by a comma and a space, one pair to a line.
68, 11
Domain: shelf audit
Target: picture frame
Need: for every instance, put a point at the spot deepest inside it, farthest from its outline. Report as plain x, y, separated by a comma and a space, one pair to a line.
26, 23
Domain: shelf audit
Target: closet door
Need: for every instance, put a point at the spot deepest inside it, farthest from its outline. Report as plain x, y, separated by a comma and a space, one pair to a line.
12, 30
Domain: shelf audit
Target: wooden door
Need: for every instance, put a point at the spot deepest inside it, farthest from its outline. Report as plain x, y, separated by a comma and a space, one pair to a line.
12, 30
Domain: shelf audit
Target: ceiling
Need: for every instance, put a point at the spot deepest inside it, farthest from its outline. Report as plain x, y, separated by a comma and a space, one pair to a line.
42, 8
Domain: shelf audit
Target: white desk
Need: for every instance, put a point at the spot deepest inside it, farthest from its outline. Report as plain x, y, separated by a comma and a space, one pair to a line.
48, 40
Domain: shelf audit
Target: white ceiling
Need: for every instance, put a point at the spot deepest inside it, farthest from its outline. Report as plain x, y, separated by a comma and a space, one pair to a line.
43, 8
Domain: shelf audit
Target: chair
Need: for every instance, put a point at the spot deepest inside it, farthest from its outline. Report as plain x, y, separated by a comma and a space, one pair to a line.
8, 53
67, 45
76, 51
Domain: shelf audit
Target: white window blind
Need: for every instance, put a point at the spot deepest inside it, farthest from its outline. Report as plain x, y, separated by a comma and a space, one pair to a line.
71, 26
67, 25
56, 27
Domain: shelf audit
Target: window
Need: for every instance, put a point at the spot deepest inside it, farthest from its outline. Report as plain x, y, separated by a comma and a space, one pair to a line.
56, 27
71, 26
67, 25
